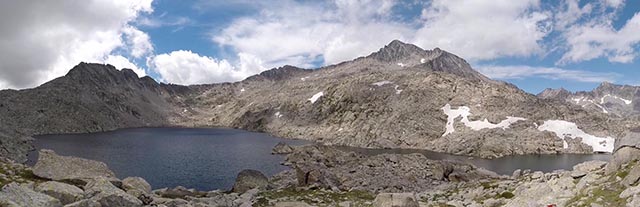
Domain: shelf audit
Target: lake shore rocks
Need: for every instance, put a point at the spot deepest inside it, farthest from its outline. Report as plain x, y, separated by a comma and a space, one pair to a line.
249, 179
73, 169
327, 176
282, 148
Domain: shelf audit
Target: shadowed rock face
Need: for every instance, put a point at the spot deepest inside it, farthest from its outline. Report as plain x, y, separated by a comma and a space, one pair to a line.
391, 98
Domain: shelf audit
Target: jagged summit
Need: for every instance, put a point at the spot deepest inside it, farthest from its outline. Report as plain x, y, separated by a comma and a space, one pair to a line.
555, 94
101, 75
397, 51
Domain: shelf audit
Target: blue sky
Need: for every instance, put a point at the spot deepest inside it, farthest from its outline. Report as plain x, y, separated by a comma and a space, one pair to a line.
535, 44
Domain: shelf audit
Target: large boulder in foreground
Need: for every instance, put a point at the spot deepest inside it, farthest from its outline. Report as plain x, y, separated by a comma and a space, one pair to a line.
55, 167
396, 200
14, 194
101, 190
249, 179
627, 149
64, 192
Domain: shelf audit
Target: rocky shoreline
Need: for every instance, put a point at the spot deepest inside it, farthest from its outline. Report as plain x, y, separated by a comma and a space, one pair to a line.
325, 176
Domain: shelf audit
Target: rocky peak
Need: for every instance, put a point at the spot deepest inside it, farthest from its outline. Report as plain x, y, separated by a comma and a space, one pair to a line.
554, 94
101, 75
397, 51
280, 73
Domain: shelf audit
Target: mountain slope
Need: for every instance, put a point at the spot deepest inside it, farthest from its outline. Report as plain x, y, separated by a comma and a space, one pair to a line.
398, 97
90, 98
375, 102
615, 100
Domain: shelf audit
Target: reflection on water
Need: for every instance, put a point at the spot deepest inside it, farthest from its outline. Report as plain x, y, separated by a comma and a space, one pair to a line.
503, 165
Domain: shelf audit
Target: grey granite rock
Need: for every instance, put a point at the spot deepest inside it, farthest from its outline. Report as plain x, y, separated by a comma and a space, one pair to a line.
101, 190
64, 192
16, 194
249, 179
78, 170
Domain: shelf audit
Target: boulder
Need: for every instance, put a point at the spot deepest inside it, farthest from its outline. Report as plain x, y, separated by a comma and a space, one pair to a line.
627, 149
291, 204
178, 192
249, 179
395, 200
55, 167
620, 157
64, 192
84, 203
282, 148
516, 174
19, 195
101, 190
138, 183
632, 177
589, 166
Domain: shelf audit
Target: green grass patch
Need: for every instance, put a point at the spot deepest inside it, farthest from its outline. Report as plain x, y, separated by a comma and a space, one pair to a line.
315, 197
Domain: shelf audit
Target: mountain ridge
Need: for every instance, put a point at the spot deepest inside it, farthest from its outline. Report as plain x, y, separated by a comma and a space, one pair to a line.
364, 102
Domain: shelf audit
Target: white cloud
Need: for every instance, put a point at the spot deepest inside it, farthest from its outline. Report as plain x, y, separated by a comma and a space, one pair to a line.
186, 67
43, 40
299, 33
478, 30
121, 62
595, 36
553, 73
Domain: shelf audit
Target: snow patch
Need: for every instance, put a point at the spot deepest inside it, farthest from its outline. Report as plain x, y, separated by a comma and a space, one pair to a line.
398, 91
463, 111
242, 90
305, 78
401, 64
615, 97
423, 60
277, 114
382, 83
316, 96
564, 129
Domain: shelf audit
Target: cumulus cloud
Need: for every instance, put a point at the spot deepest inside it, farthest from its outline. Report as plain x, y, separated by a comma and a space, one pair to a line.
553, 73
300, 33
121, 62
588, 32
478, 30
186, 67
42, 40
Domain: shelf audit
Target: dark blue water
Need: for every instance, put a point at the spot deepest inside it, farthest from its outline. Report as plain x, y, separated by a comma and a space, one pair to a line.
204, 159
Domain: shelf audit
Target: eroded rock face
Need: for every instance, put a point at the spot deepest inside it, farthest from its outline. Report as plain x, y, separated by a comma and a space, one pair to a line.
396, 200
627, 150
55, 167
249, 179
64, 192
101, 190
20, 195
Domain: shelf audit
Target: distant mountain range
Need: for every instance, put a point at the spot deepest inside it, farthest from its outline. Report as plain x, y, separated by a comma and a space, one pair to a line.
616, 100
398, 97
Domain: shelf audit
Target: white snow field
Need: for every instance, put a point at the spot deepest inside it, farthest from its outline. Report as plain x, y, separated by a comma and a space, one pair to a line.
564, 129
463, 111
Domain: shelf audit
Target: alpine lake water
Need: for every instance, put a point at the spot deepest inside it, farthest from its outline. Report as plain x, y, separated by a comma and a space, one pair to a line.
210, 158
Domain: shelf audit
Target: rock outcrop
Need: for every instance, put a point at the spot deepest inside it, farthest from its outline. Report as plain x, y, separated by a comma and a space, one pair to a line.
330, 168
282, 148
73, 169
64, 192
396, 200
249, 179
14, 194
